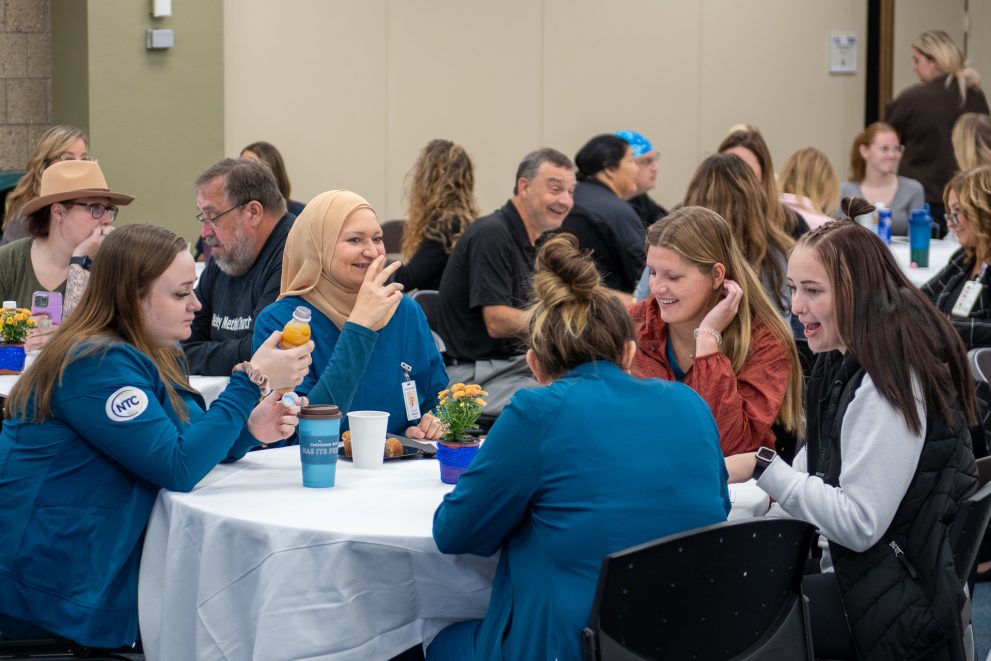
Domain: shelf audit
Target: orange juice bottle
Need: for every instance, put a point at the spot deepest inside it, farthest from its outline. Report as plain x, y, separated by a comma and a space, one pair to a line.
296, 332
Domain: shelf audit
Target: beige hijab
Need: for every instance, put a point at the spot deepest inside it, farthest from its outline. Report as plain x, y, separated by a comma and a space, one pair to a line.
309, 251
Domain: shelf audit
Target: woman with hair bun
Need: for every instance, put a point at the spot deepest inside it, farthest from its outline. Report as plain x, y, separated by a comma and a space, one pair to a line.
924, 114
574, 470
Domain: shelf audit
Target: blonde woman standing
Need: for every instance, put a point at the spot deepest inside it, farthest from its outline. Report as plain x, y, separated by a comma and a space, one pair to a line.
924, 114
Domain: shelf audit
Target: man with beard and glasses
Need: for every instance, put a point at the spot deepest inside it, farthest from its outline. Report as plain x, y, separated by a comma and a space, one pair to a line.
243, 219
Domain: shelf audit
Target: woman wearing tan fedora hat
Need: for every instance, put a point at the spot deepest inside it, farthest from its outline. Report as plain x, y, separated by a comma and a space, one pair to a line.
67, 221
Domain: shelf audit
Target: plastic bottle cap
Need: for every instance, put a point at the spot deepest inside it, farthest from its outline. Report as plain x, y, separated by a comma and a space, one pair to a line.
290, 399
302, 313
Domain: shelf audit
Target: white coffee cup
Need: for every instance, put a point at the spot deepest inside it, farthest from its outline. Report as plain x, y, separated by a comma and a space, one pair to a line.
368, 437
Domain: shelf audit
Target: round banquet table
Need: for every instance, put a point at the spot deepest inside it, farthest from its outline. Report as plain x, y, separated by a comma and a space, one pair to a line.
252, 565
940, 251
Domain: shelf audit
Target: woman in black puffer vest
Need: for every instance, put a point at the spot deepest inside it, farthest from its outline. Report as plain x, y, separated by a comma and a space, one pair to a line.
887, 454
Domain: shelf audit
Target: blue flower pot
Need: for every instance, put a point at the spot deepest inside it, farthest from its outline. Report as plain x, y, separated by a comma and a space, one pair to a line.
454, 459
12, 358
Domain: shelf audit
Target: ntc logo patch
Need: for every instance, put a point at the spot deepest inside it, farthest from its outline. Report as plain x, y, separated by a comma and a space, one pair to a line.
126, 404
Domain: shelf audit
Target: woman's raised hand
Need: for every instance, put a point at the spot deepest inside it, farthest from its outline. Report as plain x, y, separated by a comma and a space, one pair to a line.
285, 368
723, 312
376, 298
91, 244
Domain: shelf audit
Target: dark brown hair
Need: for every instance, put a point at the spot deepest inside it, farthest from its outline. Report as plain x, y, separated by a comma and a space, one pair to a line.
888, 324
574, 318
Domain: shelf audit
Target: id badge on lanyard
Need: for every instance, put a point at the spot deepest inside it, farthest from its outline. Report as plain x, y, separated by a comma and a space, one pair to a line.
969, 294
410, 398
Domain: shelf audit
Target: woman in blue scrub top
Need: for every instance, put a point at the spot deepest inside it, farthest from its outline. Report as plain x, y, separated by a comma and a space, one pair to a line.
593, 462
371, 340
100, 422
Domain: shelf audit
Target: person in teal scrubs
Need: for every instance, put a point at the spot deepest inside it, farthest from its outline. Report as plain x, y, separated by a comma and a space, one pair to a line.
100, 422
593, 462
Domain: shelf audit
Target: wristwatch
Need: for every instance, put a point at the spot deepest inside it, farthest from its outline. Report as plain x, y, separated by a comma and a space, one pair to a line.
764, 458
82, 260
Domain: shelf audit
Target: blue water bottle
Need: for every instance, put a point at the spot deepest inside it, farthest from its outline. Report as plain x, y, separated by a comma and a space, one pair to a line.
884, 225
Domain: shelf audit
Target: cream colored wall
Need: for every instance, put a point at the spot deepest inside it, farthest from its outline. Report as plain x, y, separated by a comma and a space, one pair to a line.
154, 118
350, 90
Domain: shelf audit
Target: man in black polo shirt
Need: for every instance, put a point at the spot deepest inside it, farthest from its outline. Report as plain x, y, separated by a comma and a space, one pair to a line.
486, 285
243, 218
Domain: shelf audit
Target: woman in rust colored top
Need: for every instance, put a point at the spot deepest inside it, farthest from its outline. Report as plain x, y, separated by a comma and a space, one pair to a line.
709, 324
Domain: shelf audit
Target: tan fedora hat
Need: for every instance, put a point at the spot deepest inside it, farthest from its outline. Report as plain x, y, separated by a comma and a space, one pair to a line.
69, 180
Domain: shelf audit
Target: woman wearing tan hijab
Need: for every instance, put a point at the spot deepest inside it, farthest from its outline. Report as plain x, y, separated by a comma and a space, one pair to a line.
370, 339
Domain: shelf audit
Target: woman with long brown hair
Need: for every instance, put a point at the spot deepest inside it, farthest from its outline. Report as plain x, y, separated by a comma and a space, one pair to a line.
887, 455
102, 420
924, 114
441, 198
746, 142
709, 324
724, 184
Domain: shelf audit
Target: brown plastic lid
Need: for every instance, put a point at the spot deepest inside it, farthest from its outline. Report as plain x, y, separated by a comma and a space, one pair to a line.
320, 412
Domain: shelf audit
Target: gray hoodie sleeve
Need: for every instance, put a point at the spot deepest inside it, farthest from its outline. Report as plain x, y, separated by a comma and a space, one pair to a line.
880, 455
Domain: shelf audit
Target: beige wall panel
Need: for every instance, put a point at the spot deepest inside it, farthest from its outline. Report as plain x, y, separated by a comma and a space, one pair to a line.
309, 76
912, 18
626, 64
766, 62
479, 86
155, 117
979, 41
362, 86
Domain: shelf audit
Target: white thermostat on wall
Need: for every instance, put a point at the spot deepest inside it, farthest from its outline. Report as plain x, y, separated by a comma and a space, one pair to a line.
842, 52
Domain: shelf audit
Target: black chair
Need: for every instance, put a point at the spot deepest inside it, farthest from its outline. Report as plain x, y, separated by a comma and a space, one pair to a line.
966, 535
392, 235
49, 648
728, 591
428, 300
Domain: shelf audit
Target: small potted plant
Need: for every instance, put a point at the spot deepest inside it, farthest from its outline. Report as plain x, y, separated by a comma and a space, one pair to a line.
14, 326
458, 411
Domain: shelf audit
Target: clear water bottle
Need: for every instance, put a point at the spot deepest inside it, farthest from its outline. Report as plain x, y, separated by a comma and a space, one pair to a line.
884, 225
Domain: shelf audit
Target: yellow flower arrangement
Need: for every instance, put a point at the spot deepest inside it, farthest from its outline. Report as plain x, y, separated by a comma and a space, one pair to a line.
459, 408
14, 325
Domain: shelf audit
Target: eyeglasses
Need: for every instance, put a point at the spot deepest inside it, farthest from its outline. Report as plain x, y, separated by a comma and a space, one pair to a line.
67, 157
212, 222
96, 209
891, 149
952, 218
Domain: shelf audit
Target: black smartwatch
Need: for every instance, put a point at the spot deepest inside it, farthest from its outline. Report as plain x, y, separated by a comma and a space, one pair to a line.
764, 458
82, 260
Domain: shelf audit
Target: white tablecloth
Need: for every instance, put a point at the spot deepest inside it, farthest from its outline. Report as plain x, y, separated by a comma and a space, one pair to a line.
252, 565
940, 252
209, 386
